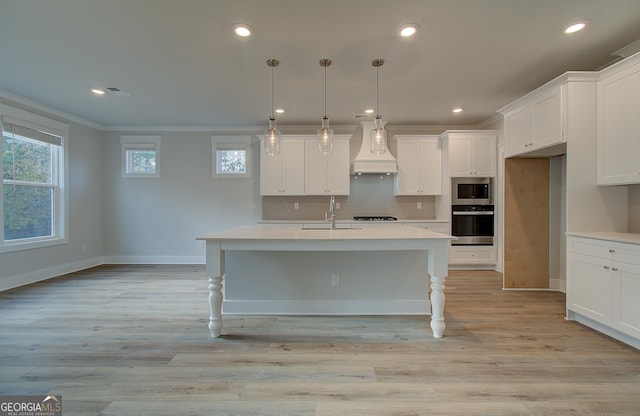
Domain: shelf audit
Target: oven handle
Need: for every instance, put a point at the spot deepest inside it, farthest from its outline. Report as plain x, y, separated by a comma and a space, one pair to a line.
472, 212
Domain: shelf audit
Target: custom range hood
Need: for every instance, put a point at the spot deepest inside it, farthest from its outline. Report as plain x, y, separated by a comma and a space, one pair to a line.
367, 162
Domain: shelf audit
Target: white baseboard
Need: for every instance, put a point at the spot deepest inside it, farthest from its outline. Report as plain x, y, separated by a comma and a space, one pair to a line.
48, 273
326, 307
154, 260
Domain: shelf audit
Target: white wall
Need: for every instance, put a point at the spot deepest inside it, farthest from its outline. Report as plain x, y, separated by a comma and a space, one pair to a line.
85, 214
148, 220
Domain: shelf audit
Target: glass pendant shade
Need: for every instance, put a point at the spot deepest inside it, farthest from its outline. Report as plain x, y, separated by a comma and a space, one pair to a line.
378, 134
272, 135
325, 137
378, 138
325, 133
272, 139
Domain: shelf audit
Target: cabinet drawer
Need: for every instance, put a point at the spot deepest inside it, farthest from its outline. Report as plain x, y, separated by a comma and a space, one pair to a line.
472, 255
437, 227
627, 253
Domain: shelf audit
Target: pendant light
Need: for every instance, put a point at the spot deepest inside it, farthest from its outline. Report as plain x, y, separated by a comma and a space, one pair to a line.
325, 133
378, 134
272, 135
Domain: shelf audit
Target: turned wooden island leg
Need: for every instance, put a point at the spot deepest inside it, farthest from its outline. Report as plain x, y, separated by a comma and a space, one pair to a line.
215, 271
215, 305
438, 268
437, 306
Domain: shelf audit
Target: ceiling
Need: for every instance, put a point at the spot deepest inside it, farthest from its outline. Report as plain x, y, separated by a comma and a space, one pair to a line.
179, 63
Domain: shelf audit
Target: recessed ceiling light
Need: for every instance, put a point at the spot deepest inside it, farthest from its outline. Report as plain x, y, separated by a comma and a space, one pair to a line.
457, 110
279, 110
408, 30
242, 30
369, 111
97, 91
575, 27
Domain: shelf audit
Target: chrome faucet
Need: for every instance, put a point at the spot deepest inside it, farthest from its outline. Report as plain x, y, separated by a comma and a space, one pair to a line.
331, 216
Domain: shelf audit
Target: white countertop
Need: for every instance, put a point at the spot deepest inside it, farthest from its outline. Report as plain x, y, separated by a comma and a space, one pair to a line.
351, 221
293, 232
609, 236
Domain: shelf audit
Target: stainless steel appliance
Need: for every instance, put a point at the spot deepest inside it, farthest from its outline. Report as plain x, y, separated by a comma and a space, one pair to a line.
472, 191
375, 218
472, 224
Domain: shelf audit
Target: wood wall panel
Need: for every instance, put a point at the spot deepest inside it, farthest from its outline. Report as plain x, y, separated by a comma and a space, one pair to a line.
526, 223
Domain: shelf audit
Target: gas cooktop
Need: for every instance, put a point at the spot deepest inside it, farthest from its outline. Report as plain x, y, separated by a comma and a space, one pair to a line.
376, 218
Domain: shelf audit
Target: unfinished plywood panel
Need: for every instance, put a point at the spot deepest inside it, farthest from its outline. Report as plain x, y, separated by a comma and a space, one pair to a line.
526, 223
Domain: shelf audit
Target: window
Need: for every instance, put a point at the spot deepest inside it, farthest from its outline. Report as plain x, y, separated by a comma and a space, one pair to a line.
231, 160
33, 170
140, 156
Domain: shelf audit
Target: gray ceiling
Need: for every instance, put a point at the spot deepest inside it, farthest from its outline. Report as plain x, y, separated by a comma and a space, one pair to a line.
181, 64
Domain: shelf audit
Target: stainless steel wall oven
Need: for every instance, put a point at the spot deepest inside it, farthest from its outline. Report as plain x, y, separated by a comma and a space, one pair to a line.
472, 224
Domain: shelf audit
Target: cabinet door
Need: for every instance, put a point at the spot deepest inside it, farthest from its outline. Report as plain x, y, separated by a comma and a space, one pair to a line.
430, 166
338, 178
627, 307
485, 157
547, 124
407, 181
518, 125
270, 173
292, 166
460, 156
327, 174
590, 287
618, 128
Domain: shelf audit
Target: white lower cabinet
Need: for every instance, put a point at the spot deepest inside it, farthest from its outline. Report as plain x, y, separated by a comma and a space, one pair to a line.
603, 284
472, 255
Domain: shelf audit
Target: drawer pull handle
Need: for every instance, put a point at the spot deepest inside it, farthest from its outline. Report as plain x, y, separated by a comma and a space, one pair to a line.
615, 269
611, 250
606, 267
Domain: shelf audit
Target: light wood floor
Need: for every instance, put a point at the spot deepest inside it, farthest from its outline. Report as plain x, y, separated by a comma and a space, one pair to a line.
133, 340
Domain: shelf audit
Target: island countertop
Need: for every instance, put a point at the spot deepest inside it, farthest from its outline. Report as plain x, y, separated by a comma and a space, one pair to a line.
305, 234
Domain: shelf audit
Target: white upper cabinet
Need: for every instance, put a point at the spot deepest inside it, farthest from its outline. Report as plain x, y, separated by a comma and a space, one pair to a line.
283, 174
534, 122
472, 153
419, 165
619, 124
327, 175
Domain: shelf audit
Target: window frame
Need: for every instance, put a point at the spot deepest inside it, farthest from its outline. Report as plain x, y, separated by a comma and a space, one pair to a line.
136, 142
60, 181
222, 143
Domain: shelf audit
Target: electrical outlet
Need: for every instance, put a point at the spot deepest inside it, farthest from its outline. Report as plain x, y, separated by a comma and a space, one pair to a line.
335, 280
337, 205
419, 205
296, 205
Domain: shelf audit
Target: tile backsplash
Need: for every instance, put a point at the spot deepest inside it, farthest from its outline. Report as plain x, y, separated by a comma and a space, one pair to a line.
371, 195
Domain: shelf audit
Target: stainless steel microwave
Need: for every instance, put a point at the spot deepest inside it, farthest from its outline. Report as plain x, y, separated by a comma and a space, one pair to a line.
471, 191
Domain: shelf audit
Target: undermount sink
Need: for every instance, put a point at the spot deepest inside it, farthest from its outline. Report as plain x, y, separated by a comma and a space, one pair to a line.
327, 228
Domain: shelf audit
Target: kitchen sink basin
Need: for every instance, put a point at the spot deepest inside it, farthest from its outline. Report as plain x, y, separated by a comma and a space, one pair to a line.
329, 229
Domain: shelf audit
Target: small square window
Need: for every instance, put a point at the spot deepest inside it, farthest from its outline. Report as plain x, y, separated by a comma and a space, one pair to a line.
140, 156
231, 160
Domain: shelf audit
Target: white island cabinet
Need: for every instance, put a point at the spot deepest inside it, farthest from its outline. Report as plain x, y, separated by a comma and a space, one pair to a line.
283, 174
618, 124
419, 165
328, 272
603, 283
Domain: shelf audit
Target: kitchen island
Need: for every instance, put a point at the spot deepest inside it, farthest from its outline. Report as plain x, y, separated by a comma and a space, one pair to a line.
383, 240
